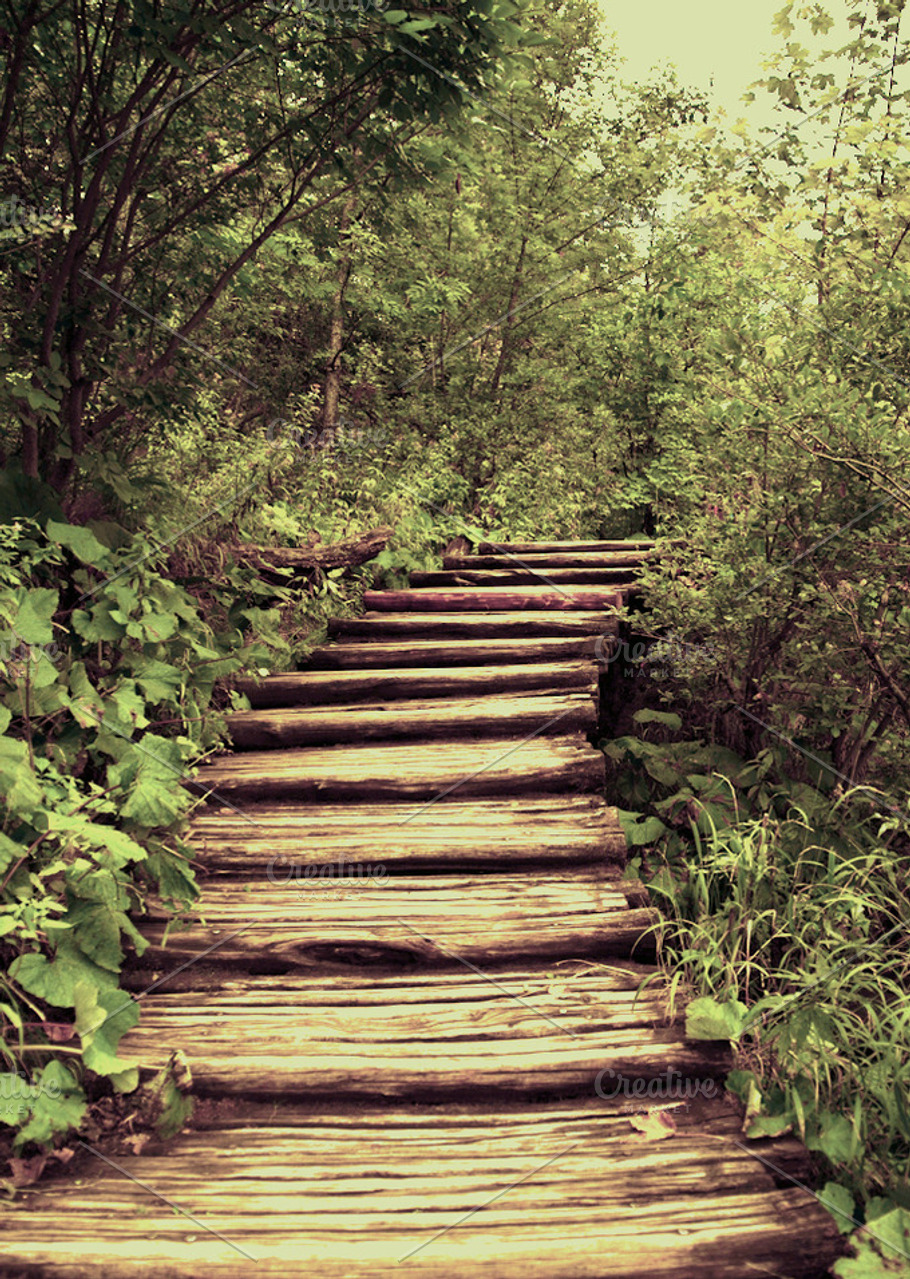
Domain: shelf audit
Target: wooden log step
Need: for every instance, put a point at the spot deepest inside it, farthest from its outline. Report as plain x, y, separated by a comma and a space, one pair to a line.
489, 768
474, 625
352, 912
547, 1191
517, 575
632, 546
462, 718
544, 561
417, 653
495, 599
519, 1030
481, 834
315, 688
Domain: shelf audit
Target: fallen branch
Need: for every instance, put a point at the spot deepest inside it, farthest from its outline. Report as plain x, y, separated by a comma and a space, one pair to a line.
307, 559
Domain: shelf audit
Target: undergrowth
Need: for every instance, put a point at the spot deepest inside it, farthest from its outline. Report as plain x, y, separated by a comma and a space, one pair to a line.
785, 925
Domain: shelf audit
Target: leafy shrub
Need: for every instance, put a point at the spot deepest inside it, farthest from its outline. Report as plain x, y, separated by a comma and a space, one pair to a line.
108, 674
786, 914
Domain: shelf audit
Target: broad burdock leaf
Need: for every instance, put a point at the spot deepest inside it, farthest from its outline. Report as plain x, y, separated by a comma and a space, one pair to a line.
81, 541
708, 1019
102, 1018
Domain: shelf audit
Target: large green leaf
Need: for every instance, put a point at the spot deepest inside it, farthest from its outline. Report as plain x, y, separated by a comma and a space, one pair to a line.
706, 1018
81, 541
151, 771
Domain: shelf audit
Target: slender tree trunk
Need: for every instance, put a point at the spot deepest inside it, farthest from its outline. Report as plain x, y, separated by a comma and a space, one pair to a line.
336, 332
505, 344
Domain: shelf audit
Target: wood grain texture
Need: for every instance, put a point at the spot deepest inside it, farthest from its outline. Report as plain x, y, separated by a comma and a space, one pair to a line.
474, 625
634, 547
619, 578
494, 599
352, 911
462, 718
549, 1191
489, 767
318, 687
532, 562
510, 1030
448, 652
480, 833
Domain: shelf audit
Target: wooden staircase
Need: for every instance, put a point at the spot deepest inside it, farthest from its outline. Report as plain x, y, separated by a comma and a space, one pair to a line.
414, 1063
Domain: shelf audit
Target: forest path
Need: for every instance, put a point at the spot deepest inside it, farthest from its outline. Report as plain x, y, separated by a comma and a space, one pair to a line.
409, 994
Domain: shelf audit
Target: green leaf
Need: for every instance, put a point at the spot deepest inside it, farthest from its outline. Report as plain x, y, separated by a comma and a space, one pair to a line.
640, 832
151, 772
706, 1018
881, 1249
35, 609
657, 717
102, 1018
769, 1126
18, 785
99, 624
839, 1202
159, 681
81, 541
158, 627
418, 25
834, 1139
55, 980
58, 1107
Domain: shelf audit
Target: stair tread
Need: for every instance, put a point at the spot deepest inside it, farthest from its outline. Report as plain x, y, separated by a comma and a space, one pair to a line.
568, 1190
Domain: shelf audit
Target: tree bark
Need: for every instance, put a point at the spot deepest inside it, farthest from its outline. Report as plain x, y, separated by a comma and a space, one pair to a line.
336, 334
307, 559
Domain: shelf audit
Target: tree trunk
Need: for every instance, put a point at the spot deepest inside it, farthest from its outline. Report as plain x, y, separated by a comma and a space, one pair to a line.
336, 333
504, 345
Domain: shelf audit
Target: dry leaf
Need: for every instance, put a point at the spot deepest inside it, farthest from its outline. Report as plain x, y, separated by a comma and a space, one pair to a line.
137, 1141
58, 1032
654, 1125
27, 1171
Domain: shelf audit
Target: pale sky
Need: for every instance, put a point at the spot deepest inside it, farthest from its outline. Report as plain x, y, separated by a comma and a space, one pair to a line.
721, 39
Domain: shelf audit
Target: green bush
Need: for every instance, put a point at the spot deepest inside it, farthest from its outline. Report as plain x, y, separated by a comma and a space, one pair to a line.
108, 675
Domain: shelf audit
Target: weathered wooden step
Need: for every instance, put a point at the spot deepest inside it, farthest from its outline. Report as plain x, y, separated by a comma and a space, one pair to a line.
544, 561
619, 578
520, 1030
565, 1190
315, 688
491, 767
634, 546
353, 912
556, 830
546, 650
449, 718
475, 625
495, 599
